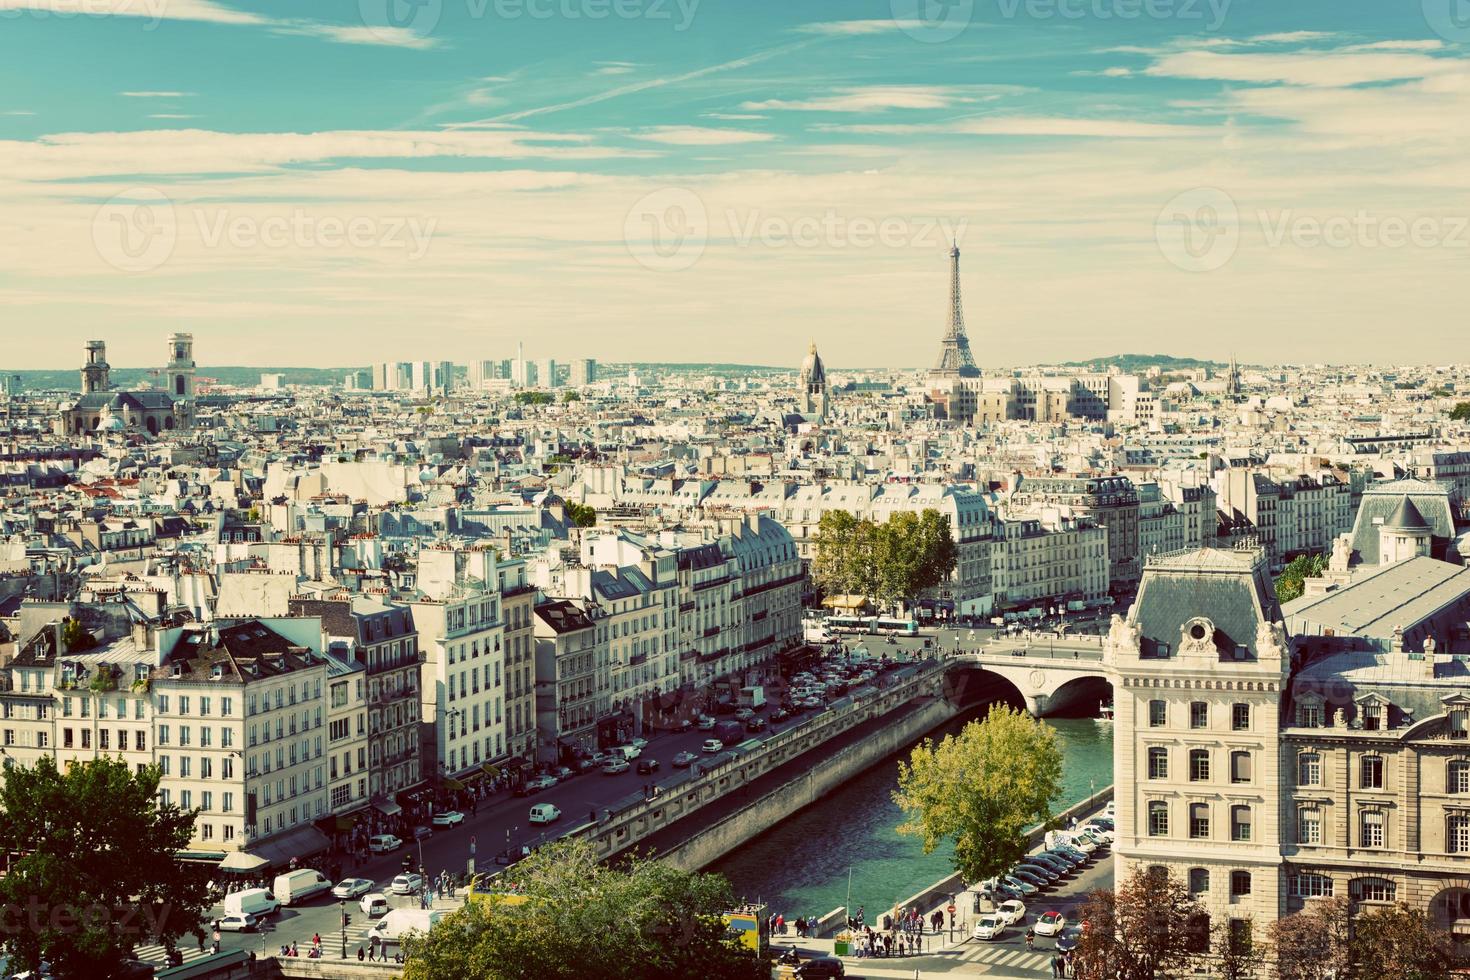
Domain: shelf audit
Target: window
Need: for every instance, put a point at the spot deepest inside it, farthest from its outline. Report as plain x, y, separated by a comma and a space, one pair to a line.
1371, 772
1158, 819
1199, 765
1240, 767
1240, 823
1240, 884
1309, 716
1458, 722
1372, 890
1199, 714
1309, 769
1457, 777
1158, 763
1199, 820
1309, 825
1156, 714
1457, 833
1371, 829
1372, 716
1240, 717
1311, 885
1199, 880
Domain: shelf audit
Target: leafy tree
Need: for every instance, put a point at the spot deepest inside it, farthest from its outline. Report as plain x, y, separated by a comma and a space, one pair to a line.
1399, 942
1148, 929
96, 874
1312, 944
581, 515
75, 636
534, 398
982, 788
643, 920
1291, 583
898, 559
1234, 954
1461, 412
571, 396
834, 568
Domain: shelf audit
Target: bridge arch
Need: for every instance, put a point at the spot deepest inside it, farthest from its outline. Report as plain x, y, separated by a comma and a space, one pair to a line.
1080, 696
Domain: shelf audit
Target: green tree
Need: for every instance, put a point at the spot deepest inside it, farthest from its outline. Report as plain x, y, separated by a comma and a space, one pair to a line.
75, 637
983, 789
1399, 942
1234, 954
898, 559
581, 515
834, 568
1312, 944
642, 920
534, 398
1461, 412
95, 872
1291, 583
1148, 929
571, 396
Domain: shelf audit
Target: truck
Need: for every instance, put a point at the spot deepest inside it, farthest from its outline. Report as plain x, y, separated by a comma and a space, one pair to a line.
730, 732
753, 698
251, 901
391, 928
295, 887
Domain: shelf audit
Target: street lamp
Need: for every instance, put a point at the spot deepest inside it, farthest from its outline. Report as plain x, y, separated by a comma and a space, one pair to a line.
342, 906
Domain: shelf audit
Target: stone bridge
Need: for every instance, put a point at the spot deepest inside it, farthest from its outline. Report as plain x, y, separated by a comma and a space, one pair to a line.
1050, 673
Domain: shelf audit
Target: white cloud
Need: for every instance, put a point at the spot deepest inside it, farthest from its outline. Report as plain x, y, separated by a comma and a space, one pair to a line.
700, 136
858, 28
735, 116
866, 99
1030, 126
1290, 37
171, 115
18, 112
615, 67
397, 37
156, 95
1310, 68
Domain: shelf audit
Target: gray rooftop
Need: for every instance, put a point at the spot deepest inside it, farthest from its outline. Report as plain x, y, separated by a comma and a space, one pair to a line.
1403, 595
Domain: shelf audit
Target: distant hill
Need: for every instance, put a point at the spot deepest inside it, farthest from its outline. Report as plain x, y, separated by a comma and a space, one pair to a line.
1136, 363
126, 378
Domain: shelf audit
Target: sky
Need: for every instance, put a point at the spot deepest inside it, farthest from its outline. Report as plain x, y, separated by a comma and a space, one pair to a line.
336, 182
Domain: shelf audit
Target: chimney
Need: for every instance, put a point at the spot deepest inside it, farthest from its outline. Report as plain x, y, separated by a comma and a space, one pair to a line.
1430, 648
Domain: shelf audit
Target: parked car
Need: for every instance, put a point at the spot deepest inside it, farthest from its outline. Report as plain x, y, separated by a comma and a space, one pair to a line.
449, 818
1051, 923
712, 745
1012, 911
1075, 853
647, 766
1024, 888
237, 922
1033, 875
989, 926
755, 724
615, 766
384, 843
352, 887
544, 813
1051, 861
537, 783
1069, 939
684, 760
374, 904
406, 884
422, 832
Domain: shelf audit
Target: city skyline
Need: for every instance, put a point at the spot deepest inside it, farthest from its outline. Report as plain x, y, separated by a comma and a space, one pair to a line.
716, 182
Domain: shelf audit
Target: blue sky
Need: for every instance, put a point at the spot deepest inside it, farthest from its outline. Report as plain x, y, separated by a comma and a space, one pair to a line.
337, 182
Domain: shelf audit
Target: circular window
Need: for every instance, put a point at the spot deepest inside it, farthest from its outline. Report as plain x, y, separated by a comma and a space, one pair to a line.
1197, 631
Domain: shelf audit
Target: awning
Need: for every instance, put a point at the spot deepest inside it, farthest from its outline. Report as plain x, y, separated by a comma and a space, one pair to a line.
453, 784
299, 843
473, 776
490, 770
387, 808
243, 861
346, 821
203, 857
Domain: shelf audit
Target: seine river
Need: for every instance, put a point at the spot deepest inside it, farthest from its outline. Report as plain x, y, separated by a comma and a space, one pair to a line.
801, 867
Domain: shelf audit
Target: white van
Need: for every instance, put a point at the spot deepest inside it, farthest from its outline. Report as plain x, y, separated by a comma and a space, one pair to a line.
627, 752
295, 887
393, 926
251, 901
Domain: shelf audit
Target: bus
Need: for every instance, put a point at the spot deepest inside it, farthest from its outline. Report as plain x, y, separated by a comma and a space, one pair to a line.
849, 624
903, 627
750, 928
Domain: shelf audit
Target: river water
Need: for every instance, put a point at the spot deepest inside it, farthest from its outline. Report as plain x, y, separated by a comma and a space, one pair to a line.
801, 867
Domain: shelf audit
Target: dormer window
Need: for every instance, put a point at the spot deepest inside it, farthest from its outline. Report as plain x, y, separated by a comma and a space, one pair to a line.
1372, 716
1309, 715
1459, 723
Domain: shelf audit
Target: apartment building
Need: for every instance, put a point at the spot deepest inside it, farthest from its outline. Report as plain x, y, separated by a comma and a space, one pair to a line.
1109, 501
518, 603
572, 686
1045, 558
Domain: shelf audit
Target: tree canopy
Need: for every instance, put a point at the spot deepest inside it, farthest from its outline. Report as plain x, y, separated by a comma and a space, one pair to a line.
982, 788
643, 920
96, 873
1149, 928
1461, 412
581, 515
1292, 581
896, 560
534, 398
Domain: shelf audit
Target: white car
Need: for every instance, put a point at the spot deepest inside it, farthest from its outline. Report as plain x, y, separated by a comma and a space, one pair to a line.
705, 723
383, 843
351, 888
374, 905
614, 766
639, 743
237, 922
1100, 831
406, 884
989, 926
1051, 924
713, 745
1012, 910
545, 813
449, 818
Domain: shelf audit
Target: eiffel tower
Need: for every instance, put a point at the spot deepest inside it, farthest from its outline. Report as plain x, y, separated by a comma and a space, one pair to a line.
954, 350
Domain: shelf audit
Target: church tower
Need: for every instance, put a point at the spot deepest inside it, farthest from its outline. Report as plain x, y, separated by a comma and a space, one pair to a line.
96, 372
814, 385
180, 372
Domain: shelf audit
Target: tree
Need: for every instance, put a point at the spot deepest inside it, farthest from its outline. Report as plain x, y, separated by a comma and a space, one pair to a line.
643, 920
983, 788
1461, 412
1399, 942
75, 637
1291, 583
1312, 944
96, 873
533, 398
1148, 929
581, 515
571, 396
834, 567
898, 559
1234, 954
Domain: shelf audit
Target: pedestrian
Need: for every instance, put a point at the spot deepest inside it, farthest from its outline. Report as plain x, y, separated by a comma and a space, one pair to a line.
359, 953
800, 927
780, 924
1056, 966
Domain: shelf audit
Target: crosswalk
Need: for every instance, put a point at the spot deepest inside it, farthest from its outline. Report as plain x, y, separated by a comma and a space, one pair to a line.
1009, 957
158, 956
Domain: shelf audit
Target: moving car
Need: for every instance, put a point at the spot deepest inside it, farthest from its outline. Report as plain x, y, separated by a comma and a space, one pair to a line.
237, 922
639, 743
626, 752
755, 724
406, 884
449, 818
705, 723
352, 887
684, 760
383, 843
1069, 939
713, 745
1012, 910
780, 715
422, 833
1051, 923
821, 968
544, 813
989, 926
537, 783
374, 905
743, 714
647, 766
615, 766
